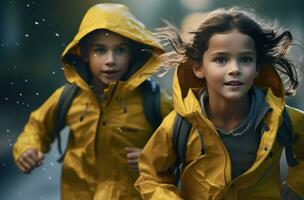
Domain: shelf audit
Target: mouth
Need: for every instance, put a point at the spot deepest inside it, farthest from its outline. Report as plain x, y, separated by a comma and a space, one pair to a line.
110, 72
233, 83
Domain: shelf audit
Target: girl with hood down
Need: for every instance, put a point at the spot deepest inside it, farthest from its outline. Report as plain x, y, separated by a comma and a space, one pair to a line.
227, 86
108, 59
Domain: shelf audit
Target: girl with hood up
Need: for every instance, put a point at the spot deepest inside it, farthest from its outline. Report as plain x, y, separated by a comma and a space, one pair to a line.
108, 59
227, 86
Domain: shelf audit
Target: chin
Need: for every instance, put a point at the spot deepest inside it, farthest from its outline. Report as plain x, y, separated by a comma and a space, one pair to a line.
234, 97
108, 81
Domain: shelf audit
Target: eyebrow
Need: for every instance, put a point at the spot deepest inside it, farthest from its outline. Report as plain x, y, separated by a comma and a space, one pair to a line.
103, 45
227, 53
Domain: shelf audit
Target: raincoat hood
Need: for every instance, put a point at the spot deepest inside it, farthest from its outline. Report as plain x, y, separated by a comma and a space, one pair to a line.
186, 87
118, 19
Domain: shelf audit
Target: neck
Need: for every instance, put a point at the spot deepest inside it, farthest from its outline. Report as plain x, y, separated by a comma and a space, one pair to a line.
98, 85
227, 115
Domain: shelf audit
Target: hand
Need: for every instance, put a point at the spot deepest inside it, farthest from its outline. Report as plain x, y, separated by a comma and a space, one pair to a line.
132, 156
29, 159
289, 194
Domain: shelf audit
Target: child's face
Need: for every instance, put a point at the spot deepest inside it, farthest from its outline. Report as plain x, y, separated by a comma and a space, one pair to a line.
228, 65
108, 55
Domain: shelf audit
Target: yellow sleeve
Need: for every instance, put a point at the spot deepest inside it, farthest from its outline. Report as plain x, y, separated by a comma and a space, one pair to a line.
157, 157
295, 177
37, 131
166, 103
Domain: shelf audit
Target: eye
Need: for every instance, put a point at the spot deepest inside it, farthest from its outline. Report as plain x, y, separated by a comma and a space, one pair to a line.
220, 60
121, 50
100, 50
246, 59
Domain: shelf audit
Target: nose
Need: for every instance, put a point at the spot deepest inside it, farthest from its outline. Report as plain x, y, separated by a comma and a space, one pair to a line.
234, 69
110, 60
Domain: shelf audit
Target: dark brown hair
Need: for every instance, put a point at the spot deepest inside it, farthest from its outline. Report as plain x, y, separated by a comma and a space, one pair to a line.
272, 43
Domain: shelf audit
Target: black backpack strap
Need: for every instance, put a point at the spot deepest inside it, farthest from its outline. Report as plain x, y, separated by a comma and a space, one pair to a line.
64, 103
286, 138
181, 132
151, 102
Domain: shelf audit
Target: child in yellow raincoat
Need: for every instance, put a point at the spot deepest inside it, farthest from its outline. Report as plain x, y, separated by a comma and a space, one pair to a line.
228, 88
108, 126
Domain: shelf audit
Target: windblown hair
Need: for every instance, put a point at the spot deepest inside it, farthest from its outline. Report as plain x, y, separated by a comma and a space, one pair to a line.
272, 43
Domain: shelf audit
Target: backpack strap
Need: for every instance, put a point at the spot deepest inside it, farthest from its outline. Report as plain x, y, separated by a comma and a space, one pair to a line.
181, 132
286, 138
151, 102
64, 103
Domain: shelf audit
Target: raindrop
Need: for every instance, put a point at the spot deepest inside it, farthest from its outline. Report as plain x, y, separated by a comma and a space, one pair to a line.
6, 98
3, 165
50, 178
27, 5
15, 67
7, 130
17, 102
36, 23
2, 45
52, 164
43, 168
56, 34
11, 144
20, 94
27, 105
17, 44
62, 68
22, 103
25, 80
9, 139
37, 94
43, 19
53, 73
12, 83
27, 35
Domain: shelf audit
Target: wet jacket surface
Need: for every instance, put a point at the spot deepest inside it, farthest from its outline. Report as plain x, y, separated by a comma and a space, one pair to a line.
207, 171
95, 165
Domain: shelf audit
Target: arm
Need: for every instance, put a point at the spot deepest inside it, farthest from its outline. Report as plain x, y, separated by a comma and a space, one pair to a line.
157, 157
36, 136
132, 153
295, 177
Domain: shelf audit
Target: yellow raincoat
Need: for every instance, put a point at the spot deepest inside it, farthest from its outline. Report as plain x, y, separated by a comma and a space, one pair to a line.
207, 176
95, 165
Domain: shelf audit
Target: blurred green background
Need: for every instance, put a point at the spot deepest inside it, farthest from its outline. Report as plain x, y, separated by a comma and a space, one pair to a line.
33, 35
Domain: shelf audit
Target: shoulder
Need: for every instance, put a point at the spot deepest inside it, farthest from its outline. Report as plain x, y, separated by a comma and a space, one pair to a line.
167, 123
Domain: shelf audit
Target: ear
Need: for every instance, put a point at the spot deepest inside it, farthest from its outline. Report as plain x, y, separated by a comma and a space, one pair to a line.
198, 71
